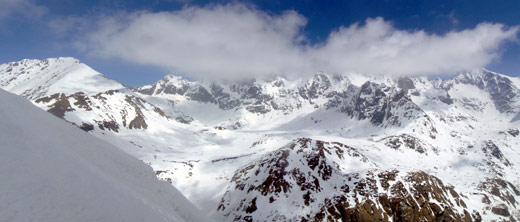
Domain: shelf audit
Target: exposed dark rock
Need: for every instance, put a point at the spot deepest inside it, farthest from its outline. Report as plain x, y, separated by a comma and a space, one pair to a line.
224, 100
86, 127
315, 87
446, 99
252, 92
501, 210
369, 103
171, 85
59, 107
200, 94
252, 96
513, 132
384, 106
490, 148
160, 112
252, 207
171, 89
399, 203
63, 105
82, 101
262, 108
147, 91
341, 98
405, 83
230, 158
109, 125
501, 89
139, 121
405, 140
60, 104
184, 119
111, 92
47, 98
415, 203
504, 190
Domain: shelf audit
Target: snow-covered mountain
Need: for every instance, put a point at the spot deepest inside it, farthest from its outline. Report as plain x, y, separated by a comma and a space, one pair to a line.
36, 78
52, 171
332, 147
316, 180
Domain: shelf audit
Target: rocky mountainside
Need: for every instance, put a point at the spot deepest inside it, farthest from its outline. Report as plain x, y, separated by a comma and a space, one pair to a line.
331, 147
314, 180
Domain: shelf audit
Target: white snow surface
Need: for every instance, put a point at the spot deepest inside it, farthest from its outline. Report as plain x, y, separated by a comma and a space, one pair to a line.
53, 171
199, 143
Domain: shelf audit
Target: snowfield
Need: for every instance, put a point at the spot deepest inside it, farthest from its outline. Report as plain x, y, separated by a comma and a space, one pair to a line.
53, 171
329, 148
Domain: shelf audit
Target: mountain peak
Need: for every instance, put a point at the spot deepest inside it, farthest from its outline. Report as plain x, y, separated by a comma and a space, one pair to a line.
61, 60
173, 78
34, 78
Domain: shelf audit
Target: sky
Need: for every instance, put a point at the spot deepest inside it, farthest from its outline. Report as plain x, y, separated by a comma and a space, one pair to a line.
138, 42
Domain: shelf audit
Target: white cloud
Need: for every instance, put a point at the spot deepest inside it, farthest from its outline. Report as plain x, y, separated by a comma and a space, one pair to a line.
25, 8
377, 47
67, 25
237, 40
219, 40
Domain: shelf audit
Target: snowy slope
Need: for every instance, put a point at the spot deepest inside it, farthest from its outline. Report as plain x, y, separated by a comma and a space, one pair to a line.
37, 78
52, 171
461, 134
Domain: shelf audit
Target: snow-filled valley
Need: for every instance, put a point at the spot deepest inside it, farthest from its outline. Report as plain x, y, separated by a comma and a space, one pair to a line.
330, 147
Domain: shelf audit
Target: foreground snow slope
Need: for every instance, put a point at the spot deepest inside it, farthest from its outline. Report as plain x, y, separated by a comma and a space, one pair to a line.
53, 171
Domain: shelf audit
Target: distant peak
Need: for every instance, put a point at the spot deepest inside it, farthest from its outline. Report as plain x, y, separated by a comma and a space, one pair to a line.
47, 61
479, 73
173, 79
64, 59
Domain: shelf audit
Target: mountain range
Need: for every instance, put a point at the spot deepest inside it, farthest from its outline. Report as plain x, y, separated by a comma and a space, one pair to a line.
333, 147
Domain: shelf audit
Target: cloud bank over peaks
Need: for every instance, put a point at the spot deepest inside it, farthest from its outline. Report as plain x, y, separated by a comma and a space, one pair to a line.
236, 40
377, 47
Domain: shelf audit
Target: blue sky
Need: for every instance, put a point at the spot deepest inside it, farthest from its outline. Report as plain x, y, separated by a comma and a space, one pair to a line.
297, 32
